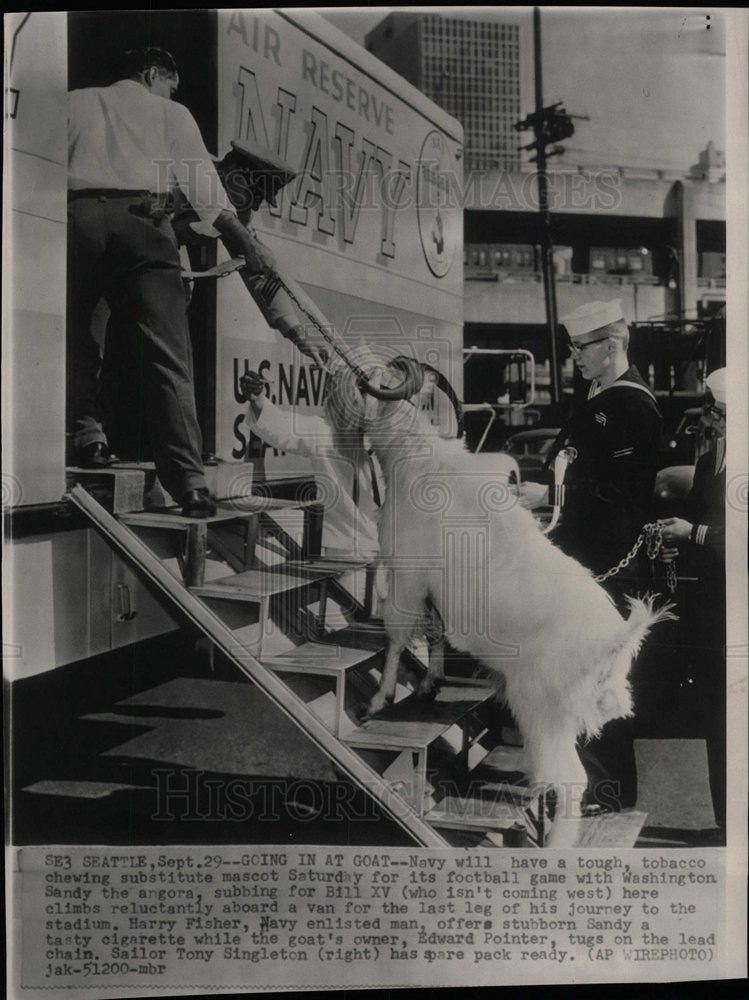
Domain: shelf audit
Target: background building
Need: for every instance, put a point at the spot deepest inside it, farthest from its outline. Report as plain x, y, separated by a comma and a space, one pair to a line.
471, 67
637, 195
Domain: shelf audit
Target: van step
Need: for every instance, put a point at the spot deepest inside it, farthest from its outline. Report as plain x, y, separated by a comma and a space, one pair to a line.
425, 736
500, 800
169, 517
318, 658
500, 765
327, 564
455, 813
311, 667
415, 724
255, 584
607, 830
359, 637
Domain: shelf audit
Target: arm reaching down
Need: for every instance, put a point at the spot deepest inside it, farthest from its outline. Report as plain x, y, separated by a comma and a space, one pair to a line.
260, 275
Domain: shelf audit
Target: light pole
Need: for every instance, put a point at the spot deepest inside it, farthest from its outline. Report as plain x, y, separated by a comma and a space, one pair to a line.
547, 262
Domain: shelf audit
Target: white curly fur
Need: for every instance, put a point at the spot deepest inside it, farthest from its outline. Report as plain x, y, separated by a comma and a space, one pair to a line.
454, 535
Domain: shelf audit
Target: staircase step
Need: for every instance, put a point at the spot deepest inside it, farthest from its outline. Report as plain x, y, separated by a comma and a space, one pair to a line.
455, 813
227, 510
329, 564
502, 763
609, 830
311, 667
415, 724
255, 584
318, 658
356, 637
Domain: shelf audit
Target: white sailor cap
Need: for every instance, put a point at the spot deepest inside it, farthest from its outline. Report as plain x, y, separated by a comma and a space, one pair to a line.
716, 384
584, 322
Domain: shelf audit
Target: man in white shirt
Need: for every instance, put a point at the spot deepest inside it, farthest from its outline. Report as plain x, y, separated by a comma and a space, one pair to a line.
130, 147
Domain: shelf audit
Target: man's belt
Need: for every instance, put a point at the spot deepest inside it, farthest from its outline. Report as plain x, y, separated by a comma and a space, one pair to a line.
155, 207
105, 193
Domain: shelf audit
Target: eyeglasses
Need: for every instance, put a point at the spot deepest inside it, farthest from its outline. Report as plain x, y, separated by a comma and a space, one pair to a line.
574, 349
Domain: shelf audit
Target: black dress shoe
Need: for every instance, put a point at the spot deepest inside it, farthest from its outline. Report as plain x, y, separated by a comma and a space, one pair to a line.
198, 503
94, 456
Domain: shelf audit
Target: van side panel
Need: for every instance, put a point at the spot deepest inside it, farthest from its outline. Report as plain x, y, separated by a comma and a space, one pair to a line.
371, 227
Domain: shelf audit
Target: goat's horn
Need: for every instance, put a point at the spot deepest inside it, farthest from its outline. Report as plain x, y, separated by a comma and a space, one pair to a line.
413, 380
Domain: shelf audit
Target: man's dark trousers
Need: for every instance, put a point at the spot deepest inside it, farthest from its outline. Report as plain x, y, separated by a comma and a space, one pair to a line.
117, 250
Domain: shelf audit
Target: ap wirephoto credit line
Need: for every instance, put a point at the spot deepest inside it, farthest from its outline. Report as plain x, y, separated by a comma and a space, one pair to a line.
374, 493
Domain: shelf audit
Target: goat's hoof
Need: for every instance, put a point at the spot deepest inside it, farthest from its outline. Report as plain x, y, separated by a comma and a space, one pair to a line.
377, 706
427, 690
595, 809
590, 805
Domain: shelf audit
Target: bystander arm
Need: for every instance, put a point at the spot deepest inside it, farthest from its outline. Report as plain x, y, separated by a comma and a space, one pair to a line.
697, 540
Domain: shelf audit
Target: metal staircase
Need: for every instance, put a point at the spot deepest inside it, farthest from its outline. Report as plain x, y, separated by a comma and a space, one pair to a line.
435, 767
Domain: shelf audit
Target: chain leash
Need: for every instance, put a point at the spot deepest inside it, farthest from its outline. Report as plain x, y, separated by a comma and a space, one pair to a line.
652, 537
229, 267
330, 338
